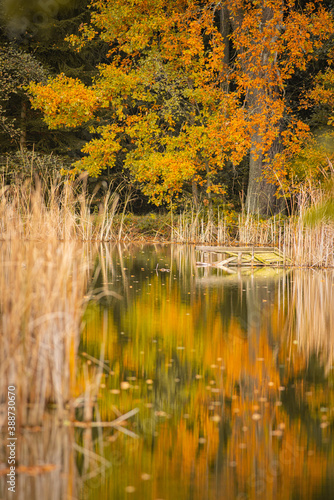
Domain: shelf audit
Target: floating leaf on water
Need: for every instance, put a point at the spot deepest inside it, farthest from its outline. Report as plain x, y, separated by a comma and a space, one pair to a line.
115, 391
130, 489
271, 384
149, 381
215, 418
125, 386
160, 414
145, 477
256, 416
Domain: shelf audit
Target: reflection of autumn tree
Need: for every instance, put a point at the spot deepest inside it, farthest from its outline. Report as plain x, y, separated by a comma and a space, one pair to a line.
219, 406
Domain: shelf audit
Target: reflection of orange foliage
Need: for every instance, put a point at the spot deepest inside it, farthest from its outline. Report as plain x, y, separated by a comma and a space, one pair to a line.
216, 409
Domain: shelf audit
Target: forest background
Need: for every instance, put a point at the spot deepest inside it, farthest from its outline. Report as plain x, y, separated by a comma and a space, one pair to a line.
172, 104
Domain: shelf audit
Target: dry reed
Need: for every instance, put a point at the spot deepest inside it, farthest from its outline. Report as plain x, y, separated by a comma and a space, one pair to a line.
302, 244
53, 208
42, 288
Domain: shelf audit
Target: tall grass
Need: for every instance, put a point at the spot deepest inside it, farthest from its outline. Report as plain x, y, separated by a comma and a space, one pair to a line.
42, 297
44, 209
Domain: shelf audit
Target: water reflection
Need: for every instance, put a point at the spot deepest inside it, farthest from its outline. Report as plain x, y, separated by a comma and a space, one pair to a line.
232, 375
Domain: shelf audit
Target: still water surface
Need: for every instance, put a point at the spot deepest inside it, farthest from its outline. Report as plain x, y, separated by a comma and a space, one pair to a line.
229, 377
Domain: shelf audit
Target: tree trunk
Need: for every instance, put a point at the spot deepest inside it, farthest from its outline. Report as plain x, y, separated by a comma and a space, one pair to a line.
261, 197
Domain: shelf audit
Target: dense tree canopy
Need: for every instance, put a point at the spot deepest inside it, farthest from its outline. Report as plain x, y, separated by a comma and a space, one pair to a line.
190, 88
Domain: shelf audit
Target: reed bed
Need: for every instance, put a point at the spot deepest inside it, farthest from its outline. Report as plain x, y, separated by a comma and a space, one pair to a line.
53, 208
44, 209
301, 244
42, 299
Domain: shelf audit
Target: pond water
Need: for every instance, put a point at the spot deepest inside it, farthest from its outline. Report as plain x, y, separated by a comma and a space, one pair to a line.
228, 378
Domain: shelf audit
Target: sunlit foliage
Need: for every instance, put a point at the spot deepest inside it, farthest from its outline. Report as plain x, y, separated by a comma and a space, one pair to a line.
177, 105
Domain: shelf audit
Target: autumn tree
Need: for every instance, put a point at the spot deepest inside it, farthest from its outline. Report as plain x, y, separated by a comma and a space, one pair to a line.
192, 85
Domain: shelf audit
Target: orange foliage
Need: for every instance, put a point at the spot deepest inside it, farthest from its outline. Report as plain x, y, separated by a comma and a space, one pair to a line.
190, 111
